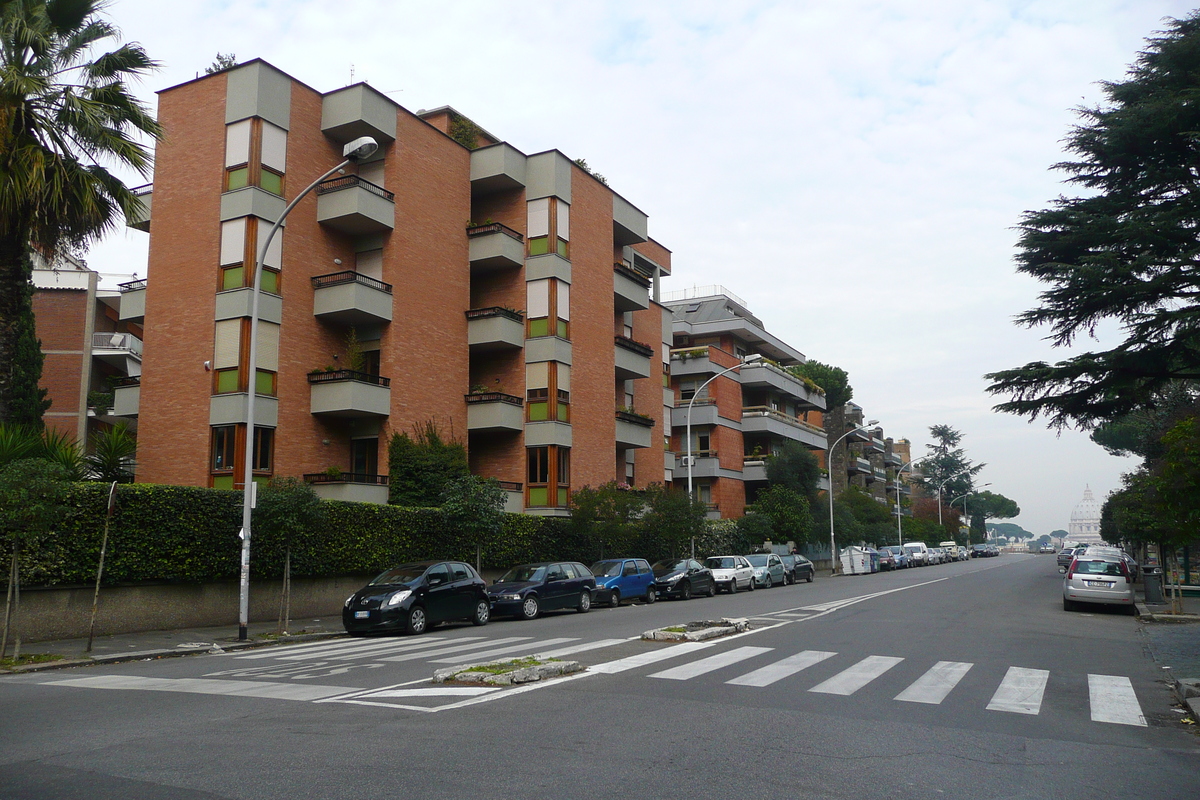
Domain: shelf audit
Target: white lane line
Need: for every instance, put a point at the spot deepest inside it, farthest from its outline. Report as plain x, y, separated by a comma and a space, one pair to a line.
705, 665
502, 651
445, 691
782, 669
1113, 700
316, 647
458, 648
368, 650
580, 648
1021, 691
407, 647
934, 685
275, 691
853, 678
652, 657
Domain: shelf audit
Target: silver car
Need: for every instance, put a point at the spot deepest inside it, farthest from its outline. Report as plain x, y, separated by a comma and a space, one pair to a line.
731, 573
768, 569
1097, 580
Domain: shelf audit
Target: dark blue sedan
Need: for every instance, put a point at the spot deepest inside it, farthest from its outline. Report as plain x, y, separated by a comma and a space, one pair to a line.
526, 591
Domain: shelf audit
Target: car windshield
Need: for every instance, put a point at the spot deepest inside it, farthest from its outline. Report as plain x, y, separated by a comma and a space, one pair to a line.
722, 562
607, 569
894, 549
909, 549
758, 561
405, 573
663, 567
525, 572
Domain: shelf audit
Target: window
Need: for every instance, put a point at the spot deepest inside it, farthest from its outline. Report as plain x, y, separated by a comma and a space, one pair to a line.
437, 574
702, 441
543, 464
538, 226
264, 449
460, 572
544, 379
569, 569
364, 456
239, 246
537, 401
255, 155
630, 568
223, 447
562, 220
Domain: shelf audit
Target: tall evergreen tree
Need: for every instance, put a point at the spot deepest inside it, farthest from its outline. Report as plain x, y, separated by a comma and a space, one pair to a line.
63, 114
28, 401
949, 464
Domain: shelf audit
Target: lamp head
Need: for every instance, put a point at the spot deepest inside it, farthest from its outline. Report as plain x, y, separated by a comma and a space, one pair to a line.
753, 358
871, 422
360, 148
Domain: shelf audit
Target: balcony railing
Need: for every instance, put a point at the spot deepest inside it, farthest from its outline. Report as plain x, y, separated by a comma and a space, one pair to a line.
332, 376
117, 341
494, 397
349, 182
132, 286
635, 418
699, 401
782, 417
346, 477
496, 311
350, 276
133, 380
494, 227
634, 274
511, 486
641, 348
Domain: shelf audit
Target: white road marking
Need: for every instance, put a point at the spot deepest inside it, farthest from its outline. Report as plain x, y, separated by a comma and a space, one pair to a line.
458, 648
652, 657
853, 678
934, 685
275, 691
444, 691
782, 669
298, 649
1113, 700
486, 655
579, 648
1021, 691
705, 665
376, 650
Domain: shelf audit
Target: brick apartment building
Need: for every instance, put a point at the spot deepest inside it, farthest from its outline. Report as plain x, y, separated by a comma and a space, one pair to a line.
87, 348
506, 297
741, 417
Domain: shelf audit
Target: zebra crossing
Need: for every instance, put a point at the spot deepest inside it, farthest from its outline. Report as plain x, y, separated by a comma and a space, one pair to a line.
1111, 698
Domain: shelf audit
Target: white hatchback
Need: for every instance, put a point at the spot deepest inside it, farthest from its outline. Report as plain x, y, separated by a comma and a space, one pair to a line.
1097, 579
731, 572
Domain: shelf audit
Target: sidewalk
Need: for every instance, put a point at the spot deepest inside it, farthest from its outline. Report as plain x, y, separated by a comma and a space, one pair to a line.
169, 644
1174, 642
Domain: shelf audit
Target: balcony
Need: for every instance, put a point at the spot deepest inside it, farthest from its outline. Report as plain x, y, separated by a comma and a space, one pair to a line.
764, 374
761, 419
514, 496
127, 394
495, 328
497, 168
705, 464
694, 361
495, 246
121, 350
351, 205
859, 466
629, 223
358, 110
133, 301
754, 468
140, 219
858, 435
349, 486
495, 412
893, 460
880, 474
631, 358
875, 445
631, 289
704, 412
351, 298
347, 393
633, 429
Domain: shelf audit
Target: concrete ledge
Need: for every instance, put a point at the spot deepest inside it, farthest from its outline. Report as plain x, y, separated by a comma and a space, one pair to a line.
698, 631
470, 673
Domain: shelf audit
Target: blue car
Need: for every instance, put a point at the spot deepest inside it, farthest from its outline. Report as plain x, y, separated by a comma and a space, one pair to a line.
620, 579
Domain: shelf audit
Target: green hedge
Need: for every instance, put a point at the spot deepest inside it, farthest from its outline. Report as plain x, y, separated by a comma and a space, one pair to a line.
189, 534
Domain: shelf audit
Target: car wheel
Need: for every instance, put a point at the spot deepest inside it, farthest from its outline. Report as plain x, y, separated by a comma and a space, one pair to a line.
483, 612
733, 586
712, 589
808, 578
651, 595
769, 583
417, 621
530, 608
585, 602
752, 586
615, 599
685, 591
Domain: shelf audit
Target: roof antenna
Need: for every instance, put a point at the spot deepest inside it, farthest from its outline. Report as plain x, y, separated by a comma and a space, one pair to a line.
351, 74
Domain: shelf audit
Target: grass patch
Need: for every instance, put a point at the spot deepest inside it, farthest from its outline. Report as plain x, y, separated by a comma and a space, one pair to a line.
508, 666
676, 629
31, 658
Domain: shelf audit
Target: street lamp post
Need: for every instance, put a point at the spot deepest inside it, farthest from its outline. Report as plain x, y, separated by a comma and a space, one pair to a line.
355, 151
833, 559
964, 497
940, 485
899, 516
750, 359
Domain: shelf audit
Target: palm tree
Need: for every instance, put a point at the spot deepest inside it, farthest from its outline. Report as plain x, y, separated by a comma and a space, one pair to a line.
64, 113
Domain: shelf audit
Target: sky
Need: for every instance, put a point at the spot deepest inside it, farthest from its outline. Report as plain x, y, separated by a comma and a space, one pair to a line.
852, 170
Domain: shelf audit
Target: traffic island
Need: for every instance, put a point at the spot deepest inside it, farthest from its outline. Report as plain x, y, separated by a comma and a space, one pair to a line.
507, 672
698, 631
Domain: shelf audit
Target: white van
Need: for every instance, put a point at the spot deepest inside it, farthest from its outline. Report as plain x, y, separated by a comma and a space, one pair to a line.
918, 553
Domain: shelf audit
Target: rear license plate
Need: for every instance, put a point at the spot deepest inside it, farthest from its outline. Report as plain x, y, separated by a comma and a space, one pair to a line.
1099, 584
362, 614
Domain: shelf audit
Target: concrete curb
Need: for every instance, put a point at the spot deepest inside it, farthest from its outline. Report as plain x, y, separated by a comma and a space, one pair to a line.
147, 655
537, 672
701, 631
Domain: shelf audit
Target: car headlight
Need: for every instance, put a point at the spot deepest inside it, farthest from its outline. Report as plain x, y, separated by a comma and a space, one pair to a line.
347, 603
674, 578
508, 597
398, 598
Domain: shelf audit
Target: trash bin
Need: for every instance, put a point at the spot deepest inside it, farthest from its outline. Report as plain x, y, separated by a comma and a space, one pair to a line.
1152, 584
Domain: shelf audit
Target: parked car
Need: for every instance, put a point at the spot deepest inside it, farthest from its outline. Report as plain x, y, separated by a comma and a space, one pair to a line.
978, 551
936, 555
527, 590
620, 579
887, 560
731, 573
768, 569
993, 550
1097, 579
411, 597
802, 568
918, 553
1067, 555
1046, 547
682, 578
1116, 552
899, 555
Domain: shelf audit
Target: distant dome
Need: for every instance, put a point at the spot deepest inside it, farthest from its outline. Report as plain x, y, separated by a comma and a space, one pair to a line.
1085, 519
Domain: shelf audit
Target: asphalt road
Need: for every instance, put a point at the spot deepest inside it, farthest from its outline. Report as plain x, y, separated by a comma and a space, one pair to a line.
961, 680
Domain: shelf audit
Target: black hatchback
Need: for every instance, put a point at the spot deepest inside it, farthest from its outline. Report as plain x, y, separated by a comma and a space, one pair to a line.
411, 597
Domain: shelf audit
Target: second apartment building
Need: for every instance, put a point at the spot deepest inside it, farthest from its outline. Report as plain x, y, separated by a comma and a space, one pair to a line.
451, 277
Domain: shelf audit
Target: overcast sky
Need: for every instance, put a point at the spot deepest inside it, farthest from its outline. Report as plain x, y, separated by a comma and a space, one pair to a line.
853, 170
